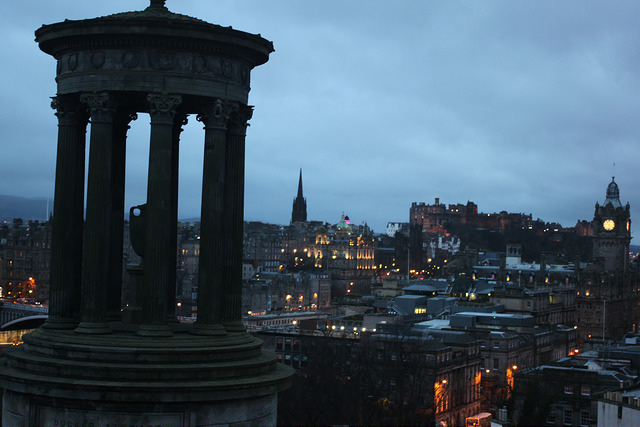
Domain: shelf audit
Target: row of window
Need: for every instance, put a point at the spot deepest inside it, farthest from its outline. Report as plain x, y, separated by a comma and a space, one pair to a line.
585, 390
585, 418
496, 364
288, 344
295, 360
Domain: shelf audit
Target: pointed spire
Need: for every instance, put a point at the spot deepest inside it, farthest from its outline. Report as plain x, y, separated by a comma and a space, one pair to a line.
299, 212
300, 185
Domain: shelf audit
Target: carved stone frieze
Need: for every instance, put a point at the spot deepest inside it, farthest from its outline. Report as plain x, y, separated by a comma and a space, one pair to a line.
130, 59
72, 61
163, 61
200, 64
97, 59
211, 66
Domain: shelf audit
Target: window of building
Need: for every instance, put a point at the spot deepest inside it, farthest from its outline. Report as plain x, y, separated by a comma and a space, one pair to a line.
584, 418
619, 411
568, 417
568, 389
482, 363
296, 345
279, 343
496, 364
287, 359
551, 418
586, 390
287, 344
496, 344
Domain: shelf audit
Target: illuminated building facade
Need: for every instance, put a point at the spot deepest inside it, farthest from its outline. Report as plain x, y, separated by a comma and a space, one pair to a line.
607, 291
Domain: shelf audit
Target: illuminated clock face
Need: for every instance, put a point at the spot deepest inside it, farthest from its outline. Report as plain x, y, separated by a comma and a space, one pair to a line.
609, 225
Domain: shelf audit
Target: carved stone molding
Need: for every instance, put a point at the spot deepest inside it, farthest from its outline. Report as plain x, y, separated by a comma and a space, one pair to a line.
131, 57
162, 107
238, 120
69, 111
96, 102
97, 59
216, 114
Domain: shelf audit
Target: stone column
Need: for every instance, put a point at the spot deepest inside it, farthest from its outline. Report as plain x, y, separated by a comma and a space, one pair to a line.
118, 171
158, 251
179, 121
234, 218
68, 216
98, 226
213, 232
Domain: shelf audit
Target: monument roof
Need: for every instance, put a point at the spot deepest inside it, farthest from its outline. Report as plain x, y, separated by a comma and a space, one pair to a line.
156, 10
155, 21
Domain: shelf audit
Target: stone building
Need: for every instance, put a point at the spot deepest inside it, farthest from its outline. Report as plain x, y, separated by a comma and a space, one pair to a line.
565, 392
619, 408
377, 378
25, 260
607, 293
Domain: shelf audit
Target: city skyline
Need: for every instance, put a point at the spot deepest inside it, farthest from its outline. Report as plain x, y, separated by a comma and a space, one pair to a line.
523, 108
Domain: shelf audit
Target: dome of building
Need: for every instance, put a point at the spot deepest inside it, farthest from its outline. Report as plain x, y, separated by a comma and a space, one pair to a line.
613, 194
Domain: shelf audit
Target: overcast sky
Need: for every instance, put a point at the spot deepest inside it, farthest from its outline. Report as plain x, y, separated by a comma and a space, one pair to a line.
521, 106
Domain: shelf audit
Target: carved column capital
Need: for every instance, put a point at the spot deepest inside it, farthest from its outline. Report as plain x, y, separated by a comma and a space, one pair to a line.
69, 111
239, 118
100, 106
216, 114
163, 107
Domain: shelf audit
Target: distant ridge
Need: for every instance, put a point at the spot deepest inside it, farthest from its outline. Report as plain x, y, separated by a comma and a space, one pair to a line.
26, 208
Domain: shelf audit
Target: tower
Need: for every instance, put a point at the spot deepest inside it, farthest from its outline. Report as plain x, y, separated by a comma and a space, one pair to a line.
612, 231
299, 211
95, 362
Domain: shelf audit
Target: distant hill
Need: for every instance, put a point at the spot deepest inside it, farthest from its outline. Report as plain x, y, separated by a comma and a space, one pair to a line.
26, 208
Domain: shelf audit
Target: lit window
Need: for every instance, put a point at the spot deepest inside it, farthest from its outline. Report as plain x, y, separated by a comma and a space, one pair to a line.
586, 390
568, 389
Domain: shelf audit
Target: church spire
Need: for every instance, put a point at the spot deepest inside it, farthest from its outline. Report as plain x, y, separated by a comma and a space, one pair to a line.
300, 185
299, 211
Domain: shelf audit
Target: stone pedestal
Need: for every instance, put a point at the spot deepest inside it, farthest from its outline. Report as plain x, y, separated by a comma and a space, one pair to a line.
60, 378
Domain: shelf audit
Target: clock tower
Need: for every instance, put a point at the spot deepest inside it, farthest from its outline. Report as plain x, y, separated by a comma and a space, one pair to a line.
612, 231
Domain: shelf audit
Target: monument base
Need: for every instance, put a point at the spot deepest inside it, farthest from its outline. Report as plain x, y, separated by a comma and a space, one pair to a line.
30, 410
62, 378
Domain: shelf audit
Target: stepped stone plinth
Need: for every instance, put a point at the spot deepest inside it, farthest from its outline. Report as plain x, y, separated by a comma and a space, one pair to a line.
91, 363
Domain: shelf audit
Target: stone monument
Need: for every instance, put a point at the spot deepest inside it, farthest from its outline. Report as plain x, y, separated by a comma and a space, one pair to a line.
91, 363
